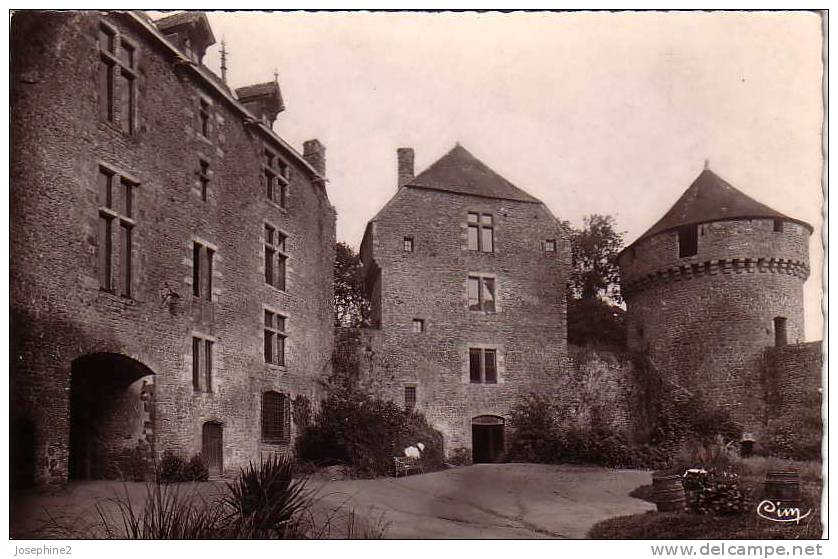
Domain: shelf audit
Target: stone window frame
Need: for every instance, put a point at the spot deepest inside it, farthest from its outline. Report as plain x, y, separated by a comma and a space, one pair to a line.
481, 276
202, 278
277, 331
550, 245
275, 429
408, 244
205, 174
275, 256
205, 113
422, 325
111, 56
275, 178
411, 396
500, 363
480, 226
203, 362
117, 256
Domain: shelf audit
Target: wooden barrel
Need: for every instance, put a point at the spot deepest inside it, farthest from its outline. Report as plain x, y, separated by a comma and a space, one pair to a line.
669, 493
783, 487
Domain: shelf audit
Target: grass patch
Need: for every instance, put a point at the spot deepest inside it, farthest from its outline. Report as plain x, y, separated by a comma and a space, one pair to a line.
686, 526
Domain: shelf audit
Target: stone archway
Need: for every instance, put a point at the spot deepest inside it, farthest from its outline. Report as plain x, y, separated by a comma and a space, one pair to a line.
110, 416
487, 439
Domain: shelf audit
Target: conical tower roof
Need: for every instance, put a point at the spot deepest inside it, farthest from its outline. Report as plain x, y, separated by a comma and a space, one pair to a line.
711, 198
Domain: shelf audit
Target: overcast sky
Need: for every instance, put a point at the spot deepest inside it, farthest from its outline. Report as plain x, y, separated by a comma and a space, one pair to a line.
609, 113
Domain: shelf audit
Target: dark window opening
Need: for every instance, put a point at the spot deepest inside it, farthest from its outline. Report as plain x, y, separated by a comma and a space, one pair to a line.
115, 256
418, 325
481, 294
202, 269
274, 339
116, 80
550, 245
204, 178
409, 397
204, 116
687, 241
275, 258
483, 366
276, 418
778, 225
408, 244
481, 232
780, 331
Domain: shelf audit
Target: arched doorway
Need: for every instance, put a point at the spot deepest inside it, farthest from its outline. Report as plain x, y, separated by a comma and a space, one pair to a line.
486, 439
110, 414
212, 447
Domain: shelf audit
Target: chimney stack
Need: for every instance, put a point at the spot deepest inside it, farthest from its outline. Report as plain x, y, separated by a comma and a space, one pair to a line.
405, 158
315, 153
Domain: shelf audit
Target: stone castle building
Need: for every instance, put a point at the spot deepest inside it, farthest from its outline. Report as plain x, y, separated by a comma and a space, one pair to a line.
710, 287
467, 276
171, 277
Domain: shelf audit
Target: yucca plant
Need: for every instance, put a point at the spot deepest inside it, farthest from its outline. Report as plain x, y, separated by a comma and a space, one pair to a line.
167, 514
264, 501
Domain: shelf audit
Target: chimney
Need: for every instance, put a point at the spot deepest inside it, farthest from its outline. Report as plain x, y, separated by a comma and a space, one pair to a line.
315, 154
405, 157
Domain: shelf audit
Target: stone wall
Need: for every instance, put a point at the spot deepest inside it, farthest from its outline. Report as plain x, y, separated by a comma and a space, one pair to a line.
59, 313
528, 330
794, 380
706, 320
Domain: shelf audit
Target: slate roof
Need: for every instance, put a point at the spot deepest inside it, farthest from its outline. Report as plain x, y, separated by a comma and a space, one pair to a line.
461, 172
256, 90
181, 18
711, 198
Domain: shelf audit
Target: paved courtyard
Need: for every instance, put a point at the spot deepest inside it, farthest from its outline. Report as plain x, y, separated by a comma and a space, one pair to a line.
480, 501
494, 500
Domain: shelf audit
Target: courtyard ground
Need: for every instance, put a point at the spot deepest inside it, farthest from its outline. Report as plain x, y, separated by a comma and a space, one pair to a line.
480, 501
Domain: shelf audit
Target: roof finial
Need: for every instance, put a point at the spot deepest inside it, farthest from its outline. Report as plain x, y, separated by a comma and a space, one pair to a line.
223, 61
276, 76
706, 164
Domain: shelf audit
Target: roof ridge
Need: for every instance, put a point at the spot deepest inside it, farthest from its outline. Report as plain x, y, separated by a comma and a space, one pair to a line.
461, 172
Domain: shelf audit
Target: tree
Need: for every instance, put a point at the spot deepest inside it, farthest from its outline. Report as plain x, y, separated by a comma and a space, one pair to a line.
351, 303
594, 249
594, 314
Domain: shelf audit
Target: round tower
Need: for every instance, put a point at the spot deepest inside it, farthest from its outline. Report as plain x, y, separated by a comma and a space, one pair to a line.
710, 286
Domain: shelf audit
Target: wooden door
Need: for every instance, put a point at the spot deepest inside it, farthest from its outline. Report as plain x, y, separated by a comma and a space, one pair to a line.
212, 447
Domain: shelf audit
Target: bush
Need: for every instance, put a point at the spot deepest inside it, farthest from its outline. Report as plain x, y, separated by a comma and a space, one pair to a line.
174, 469
196, 469
460, 456
716, 492
366, 434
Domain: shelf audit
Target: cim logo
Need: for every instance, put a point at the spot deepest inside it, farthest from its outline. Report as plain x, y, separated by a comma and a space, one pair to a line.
773, 511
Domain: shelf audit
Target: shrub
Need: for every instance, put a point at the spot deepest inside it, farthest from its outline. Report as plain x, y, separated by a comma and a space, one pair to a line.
716, 492
170, 469
174, 469
460, 456
196, 469
366, 434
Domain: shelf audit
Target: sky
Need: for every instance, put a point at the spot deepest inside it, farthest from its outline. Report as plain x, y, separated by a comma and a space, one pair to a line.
610, 113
